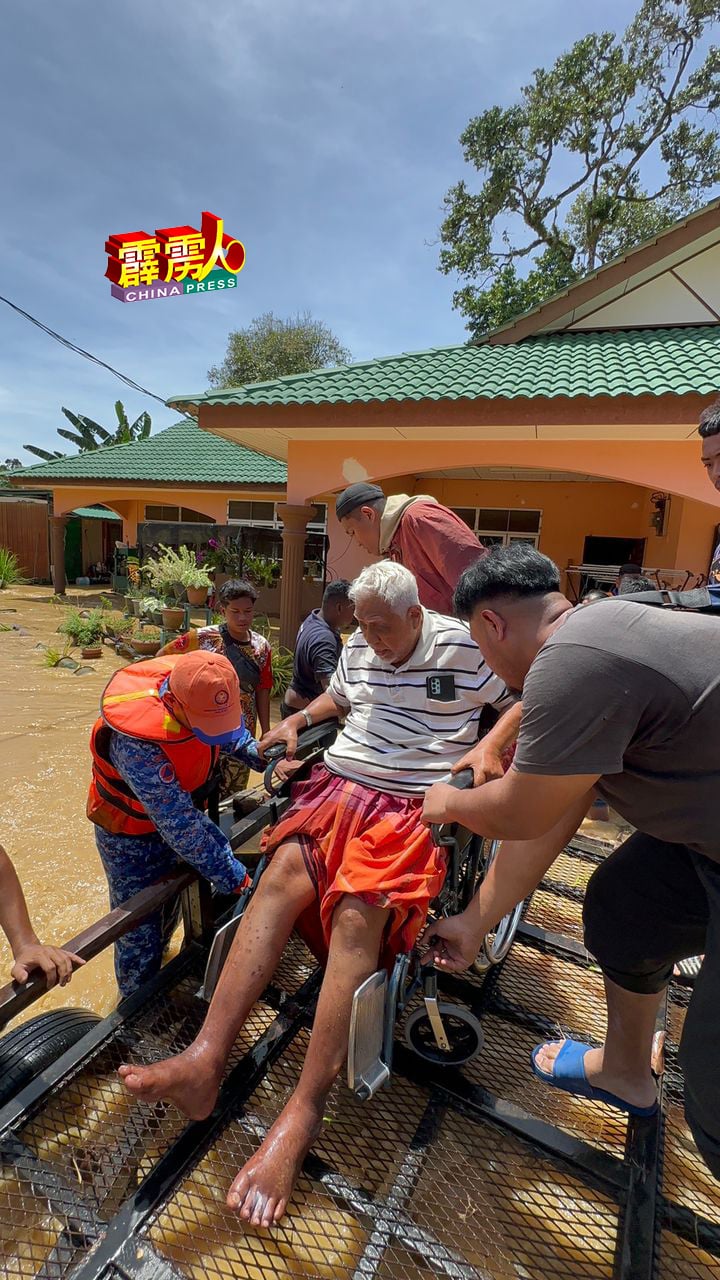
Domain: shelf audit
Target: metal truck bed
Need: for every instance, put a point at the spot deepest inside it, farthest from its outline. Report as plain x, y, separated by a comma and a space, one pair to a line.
480, 1173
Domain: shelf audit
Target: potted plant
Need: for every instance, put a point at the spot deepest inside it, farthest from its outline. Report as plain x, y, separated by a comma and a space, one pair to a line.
85, 630
147, 641
224, 560
167, 572
197, 582
115, 624
151, 608
134, 592
173, 617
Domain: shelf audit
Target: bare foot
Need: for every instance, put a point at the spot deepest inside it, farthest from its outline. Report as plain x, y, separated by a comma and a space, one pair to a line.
263, 1187
639, 1090
189, 1080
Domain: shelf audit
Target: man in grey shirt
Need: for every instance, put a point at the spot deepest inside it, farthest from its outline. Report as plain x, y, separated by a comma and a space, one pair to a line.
620, 700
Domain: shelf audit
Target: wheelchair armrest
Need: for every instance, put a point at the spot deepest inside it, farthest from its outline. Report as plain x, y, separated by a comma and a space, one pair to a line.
309, 741
462, 781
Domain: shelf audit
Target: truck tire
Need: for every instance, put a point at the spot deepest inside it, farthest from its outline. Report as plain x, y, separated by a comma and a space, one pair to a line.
35, 1045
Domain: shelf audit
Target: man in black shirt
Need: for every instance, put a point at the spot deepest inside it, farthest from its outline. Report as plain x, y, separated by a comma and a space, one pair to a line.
318, 647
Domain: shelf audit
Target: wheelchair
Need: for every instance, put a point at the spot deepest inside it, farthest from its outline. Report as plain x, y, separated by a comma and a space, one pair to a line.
436, 1031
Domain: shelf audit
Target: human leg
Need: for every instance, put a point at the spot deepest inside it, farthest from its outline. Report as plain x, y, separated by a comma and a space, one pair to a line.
263, 1187
645, 908
700, 1045
192, 1078
131, 863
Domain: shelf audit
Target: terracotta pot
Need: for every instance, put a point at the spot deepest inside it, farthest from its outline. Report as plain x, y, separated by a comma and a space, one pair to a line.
149, 647
197, 595
219, 579
173, 619
92, 651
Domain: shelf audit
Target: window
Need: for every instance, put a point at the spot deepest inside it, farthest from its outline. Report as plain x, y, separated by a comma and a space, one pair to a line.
264, 515
252, 512
162, 513
498, 526
176, 515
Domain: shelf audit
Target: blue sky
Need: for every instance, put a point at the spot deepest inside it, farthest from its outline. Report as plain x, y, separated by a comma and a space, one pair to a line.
325, 132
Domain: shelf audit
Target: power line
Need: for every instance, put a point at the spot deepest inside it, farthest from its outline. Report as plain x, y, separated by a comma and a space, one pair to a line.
71, 346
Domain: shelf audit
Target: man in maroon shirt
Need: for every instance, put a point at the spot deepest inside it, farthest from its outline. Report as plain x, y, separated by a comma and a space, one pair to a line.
429, 539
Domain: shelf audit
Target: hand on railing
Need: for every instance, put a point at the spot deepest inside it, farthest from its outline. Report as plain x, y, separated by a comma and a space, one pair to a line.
277, 752
434, 807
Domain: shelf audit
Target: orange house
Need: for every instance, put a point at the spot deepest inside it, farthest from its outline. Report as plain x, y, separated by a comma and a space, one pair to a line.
575, 426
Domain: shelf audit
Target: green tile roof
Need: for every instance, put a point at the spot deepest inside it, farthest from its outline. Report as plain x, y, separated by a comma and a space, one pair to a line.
181, 454
95, 513
630, 362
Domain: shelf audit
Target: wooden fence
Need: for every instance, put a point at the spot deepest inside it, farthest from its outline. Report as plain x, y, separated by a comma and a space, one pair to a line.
24, 529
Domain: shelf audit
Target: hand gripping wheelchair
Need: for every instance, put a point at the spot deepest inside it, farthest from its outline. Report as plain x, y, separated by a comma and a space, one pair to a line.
436, 1031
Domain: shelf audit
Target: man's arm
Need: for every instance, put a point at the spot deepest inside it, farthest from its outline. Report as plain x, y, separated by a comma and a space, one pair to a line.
263, 691
519, 806
485, 759
188, 832
28, 952
518, 869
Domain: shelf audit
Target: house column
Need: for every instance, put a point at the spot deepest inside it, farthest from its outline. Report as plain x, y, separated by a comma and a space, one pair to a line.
57, 552
295, 522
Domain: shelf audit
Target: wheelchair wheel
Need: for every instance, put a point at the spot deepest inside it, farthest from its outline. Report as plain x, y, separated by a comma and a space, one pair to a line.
462, 1028
497, 943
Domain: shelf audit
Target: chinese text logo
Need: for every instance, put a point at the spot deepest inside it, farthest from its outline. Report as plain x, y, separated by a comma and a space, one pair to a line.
174, 261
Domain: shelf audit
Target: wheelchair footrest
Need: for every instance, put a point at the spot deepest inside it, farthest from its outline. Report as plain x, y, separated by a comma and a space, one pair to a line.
367, 1071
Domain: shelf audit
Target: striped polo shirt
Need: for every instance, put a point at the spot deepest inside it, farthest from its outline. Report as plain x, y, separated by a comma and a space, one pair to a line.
406, 726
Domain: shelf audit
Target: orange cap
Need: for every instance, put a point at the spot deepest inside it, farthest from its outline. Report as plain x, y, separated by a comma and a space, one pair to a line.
207, 690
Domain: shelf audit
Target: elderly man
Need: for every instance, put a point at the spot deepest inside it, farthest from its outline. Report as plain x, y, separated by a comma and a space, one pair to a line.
607, 704
351, 859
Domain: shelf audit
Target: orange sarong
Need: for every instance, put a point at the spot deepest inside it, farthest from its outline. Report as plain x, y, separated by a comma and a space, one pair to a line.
366, 843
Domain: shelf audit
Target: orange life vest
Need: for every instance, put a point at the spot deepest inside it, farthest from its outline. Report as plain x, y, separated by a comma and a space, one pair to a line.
131, 705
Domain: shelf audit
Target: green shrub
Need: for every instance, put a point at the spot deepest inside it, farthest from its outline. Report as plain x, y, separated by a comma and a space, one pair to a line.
52, 657
116, 623
84, 631
9, 568
282, 666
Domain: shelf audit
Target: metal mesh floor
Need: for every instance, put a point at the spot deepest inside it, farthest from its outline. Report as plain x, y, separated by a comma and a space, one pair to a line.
478, 1174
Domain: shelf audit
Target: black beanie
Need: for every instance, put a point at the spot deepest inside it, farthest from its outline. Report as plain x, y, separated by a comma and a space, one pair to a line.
357, 495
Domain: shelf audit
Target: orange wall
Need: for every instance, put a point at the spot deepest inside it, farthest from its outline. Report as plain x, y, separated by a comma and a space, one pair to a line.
697, 535
319, 467
570, 513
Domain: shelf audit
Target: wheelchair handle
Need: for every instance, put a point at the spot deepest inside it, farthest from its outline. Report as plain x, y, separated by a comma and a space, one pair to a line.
462, 781
306, 740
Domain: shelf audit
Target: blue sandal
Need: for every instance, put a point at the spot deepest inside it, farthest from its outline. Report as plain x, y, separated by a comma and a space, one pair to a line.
569, 1075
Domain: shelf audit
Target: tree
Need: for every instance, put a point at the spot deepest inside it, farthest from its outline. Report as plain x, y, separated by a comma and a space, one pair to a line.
271, 348
89, 435
565, 185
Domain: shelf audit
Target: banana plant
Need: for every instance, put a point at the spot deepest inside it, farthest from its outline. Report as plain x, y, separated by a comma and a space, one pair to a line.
89, 435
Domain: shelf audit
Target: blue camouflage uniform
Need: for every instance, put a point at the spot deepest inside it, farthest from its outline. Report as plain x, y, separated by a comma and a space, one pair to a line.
183, 833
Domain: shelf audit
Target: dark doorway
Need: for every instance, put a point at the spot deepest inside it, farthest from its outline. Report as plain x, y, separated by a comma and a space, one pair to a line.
614, 551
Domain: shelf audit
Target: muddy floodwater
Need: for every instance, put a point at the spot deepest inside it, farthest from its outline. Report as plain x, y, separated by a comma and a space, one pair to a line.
45, 720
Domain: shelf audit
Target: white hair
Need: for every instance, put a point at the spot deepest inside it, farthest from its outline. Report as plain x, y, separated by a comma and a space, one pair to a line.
392, 582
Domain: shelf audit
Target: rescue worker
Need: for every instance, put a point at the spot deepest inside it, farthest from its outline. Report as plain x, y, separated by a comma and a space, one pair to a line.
155, 749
